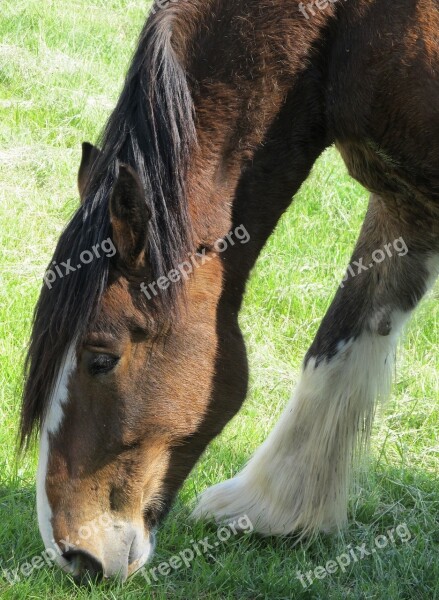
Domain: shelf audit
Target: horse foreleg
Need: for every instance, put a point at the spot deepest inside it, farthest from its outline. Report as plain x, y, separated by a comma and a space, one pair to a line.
298, 480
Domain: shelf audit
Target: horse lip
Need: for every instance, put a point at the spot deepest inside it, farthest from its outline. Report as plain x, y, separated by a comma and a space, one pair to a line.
136, 561
141, 551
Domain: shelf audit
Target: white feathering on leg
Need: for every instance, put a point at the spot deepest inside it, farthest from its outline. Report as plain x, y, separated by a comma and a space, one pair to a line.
298, 480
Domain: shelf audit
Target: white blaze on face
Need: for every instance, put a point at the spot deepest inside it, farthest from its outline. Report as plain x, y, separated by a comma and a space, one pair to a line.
51, 425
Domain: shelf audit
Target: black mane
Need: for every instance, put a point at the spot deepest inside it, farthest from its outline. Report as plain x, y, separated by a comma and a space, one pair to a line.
152, 129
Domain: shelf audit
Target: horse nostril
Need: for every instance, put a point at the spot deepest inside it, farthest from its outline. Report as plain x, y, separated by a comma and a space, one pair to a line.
85, 567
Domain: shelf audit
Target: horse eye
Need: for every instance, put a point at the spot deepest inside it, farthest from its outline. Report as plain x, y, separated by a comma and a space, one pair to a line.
102, 363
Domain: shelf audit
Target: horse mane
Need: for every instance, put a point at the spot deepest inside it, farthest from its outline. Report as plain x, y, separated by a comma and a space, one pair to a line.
152, 129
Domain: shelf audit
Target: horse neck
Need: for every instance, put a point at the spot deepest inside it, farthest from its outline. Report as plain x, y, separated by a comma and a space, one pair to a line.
258, 88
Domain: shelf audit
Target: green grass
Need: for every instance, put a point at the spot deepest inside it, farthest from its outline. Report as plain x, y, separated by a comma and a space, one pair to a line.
61, 66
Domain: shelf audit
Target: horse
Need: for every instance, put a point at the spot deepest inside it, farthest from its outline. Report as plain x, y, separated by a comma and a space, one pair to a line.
136, 360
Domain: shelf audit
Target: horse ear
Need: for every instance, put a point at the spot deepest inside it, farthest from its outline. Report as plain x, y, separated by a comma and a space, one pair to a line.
89, 156
130, 215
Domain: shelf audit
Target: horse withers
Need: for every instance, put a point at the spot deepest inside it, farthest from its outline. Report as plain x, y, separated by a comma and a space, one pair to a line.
225, 109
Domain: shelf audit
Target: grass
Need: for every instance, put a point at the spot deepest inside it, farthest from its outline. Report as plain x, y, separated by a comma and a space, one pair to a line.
61, 66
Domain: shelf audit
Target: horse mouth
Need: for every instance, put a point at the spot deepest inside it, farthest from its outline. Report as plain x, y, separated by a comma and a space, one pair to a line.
84, 566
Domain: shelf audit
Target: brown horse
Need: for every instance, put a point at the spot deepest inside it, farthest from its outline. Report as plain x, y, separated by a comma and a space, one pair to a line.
136, 359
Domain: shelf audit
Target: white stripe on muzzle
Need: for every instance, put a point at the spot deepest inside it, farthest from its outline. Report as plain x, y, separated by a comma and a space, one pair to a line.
51, 425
